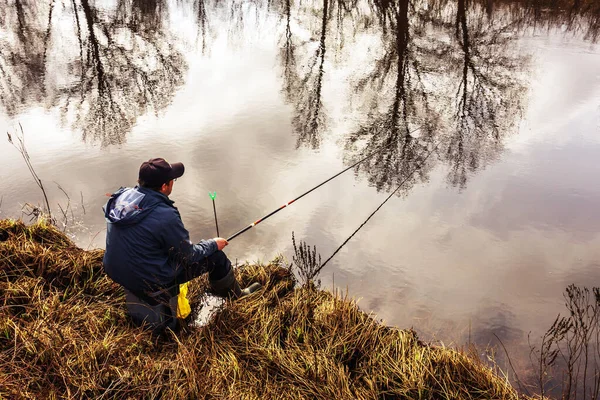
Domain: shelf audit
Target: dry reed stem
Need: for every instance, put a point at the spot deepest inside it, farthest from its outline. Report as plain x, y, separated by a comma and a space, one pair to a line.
64, 334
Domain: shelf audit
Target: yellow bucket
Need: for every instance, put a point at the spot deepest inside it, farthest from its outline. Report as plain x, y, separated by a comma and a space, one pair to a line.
183, 305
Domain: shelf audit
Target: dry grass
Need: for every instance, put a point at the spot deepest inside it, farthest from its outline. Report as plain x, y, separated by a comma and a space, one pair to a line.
64, 334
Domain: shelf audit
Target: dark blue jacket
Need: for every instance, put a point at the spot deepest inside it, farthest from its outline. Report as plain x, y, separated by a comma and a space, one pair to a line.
146, 242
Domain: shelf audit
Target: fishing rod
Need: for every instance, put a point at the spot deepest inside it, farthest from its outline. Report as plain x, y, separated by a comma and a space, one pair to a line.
213, 195
378, 208
258, 221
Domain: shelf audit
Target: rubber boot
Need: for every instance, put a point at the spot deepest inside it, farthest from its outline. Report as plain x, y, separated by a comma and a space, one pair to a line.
229, 287
250, 289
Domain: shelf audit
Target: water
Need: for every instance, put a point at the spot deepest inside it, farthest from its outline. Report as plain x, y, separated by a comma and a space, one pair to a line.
263, 101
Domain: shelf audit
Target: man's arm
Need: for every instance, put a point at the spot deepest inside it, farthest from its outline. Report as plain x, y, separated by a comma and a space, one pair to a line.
177, 239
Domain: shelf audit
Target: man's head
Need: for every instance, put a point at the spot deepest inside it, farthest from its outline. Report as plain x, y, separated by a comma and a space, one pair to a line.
158, 174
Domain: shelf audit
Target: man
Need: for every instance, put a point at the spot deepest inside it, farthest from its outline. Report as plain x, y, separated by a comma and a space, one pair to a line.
149, 252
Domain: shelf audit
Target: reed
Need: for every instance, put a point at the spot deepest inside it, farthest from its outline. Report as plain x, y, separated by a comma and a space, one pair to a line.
64, 334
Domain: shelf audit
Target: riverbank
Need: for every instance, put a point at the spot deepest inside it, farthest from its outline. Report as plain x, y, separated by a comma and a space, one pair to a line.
64, 333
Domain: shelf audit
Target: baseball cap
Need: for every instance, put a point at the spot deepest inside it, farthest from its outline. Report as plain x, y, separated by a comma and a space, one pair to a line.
157, 171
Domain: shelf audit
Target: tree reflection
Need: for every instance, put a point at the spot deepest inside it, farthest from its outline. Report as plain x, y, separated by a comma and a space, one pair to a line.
391, 134
288, 52
303, 80
575, 16
303, 88
125, 64
128, 67
23, 49
476, 97
490, 91
142, 15
202, 21
445, 67
448, 74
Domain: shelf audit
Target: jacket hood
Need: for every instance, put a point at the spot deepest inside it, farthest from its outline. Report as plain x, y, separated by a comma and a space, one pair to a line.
131, 205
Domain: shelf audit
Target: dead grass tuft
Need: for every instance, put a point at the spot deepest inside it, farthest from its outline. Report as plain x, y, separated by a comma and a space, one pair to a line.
64, 334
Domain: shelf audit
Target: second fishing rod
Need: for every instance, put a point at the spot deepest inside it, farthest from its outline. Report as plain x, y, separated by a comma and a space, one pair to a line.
258, 221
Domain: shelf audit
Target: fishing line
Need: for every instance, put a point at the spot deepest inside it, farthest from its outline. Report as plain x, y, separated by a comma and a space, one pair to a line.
377, 209
252, 225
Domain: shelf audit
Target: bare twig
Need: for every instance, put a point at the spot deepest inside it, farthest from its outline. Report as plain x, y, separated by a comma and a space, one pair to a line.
65, 216
32, 211
65, 210
521, 387
82, 205
94, 238
20, 146
571, 343
63, 190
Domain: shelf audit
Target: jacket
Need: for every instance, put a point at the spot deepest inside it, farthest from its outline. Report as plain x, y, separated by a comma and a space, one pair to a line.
146, 243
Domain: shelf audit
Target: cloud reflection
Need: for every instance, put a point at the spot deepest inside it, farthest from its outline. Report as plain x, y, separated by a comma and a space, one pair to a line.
125, 66
450, 71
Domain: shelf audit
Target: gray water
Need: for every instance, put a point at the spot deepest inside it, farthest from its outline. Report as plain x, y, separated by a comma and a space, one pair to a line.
490, 116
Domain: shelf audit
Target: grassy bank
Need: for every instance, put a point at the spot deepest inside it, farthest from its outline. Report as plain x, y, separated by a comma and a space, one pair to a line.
64, 333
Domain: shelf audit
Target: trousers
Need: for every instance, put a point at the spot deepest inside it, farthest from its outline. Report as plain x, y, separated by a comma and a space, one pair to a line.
158, 310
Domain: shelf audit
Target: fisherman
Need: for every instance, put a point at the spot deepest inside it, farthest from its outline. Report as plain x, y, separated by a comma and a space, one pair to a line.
149, 252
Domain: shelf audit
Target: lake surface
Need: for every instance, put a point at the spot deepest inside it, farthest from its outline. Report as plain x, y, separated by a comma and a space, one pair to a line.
485, 116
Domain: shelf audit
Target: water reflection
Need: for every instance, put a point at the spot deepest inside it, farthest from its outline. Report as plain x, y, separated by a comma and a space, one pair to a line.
202, 21
23, 48
490, 90
473, 103
431, 57
142, 15
303, 88
456, 75
403, 134
412, 77
126, 64
576, 16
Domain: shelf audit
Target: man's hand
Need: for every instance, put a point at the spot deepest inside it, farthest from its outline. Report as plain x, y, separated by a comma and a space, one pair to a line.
221, 243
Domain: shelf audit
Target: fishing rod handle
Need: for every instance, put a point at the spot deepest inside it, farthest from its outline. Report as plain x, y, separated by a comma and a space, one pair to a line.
239, 233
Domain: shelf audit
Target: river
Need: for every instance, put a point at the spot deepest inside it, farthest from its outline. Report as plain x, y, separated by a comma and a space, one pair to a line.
485, 115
